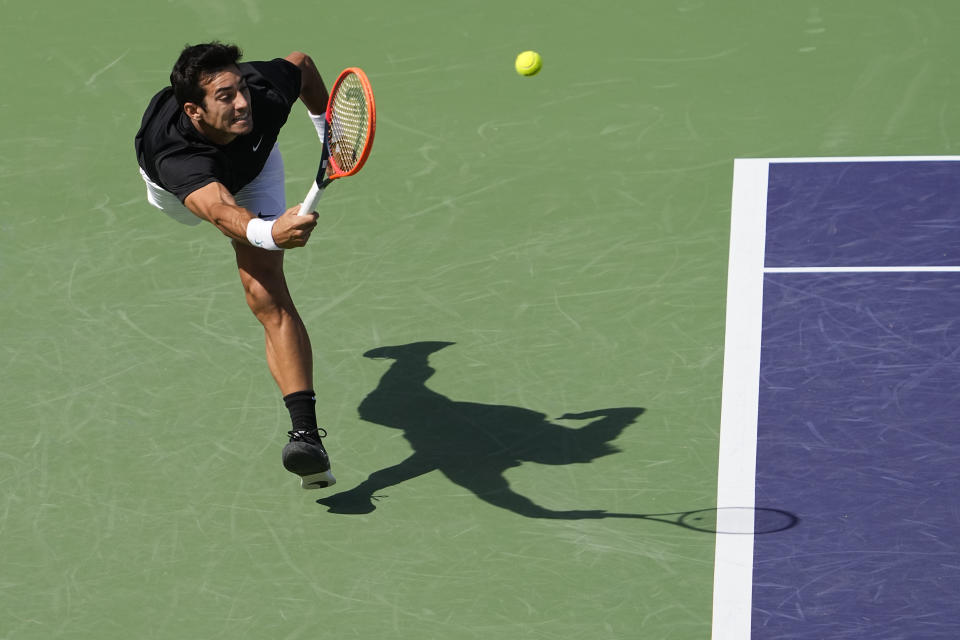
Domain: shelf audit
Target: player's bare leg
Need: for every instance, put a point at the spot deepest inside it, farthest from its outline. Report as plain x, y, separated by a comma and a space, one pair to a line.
289, 354
290, 359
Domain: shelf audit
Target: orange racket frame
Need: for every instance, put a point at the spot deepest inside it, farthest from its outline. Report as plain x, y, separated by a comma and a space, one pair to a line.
329, 170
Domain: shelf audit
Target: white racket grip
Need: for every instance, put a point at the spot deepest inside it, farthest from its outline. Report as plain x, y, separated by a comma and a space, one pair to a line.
310, 202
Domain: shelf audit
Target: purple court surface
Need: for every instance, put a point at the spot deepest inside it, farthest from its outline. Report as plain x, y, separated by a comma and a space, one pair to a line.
842, 399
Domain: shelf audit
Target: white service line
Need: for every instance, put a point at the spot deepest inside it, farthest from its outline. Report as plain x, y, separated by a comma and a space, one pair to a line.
859, 269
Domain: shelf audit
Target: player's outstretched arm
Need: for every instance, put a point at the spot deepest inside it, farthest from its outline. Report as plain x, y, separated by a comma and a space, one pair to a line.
215, 204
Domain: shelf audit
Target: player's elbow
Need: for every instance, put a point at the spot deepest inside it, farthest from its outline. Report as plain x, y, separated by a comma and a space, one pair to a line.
301, 60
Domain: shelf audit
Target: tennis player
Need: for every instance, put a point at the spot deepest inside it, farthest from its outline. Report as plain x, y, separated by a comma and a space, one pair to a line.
207, 150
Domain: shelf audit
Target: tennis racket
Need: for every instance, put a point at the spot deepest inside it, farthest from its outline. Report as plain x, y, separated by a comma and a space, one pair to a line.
351, 122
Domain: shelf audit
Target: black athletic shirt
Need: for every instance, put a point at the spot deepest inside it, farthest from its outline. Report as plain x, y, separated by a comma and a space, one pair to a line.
181, 160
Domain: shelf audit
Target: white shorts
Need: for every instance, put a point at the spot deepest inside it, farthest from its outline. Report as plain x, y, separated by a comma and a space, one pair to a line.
264, 195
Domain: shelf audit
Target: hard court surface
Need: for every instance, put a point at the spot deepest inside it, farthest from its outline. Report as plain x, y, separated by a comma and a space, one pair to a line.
519, 312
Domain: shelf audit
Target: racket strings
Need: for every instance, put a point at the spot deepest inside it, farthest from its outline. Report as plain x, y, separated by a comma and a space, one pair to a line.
349, 123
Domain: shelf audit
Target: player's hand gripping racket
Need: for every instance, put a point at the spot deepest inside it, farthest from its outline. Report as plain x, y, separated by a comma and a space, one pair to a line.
351, 122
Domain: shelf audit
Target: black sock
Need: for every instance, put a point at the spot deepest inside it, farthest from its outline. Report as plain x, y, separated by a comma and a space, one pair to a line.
302, 408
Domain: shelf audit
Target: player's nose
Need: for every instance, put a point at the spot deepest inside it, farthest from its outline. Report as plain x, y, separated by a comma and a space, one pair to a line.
241, 103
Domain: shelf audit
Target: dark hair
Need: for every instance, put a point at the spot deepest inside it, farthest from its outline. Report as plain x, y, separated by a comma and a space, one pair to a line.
196, 62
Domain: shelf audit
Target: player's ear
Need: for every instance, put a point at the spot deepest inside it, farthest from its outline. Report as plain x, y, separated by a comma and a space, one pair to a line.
192, 110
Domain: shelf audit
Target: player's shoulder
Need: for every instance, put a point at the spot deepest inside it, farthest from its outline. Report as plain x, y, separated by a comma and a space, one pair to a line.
269, 69
158, 127
278, 75
161, 108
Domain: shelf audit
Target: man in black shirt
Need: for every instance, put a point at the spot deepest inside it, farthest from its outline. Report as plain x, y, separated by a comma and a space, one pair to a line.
207, 151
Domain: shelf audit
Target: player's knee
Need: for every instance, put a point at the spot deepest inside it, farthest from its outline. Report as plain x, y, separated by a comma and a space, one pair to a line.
266, 304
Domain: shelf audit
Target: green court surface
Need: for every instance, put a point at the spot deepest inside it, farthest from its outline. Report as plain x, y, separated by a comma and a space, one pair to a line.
568, 233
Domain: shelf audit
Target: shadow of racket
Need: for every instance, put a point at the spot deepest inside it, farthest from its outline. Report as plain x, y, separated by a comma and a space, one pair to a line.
725, 520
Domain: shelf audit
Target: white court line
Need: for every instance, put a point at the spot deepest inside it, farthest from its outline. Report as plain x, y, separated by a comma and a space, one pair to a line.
733, 564
856, 159
733, 570
858, 269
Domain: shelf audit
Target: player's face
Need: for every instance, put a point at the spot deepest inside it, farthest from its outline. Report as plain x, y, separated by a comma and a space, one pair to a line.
225, 112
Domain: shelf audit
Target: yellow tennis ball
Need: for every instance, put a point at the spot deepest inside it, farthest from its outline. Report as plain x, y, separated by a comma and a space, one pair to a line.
528, 63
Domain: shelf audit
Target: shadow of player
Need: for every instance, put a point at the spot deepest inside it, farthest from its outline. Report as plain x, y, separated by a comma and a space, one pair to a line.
472, 444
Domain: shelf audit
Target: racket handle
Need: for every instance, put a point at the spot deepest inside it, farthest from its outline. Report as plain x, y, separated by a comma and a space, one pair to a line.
310, 202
